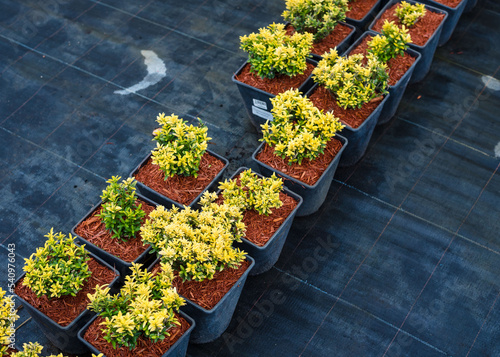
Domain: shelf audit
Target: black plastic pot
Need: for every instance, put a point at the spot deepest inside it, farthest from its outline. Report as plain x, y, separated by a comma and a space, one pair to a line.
427, 50
65, 338
122, 266
453, 17
258, 102
362, 24
160, 199
313, 196
178, 349
266, 256
342, 46
395, 91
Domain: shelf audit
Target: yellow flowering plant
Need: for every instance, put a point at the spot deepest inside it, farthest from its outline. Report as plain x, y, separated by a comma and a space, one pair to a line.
179, 146
58, 268
271, 52
252, 192
391, 43
409, 14
145, 306
8, 316
198, 243
120, 214
318, 17
32, 349
298, 130
352, 83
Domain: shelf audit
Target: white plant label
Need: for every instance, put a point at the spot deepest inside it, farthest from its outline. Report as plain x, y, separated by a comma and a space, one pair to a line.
261, 113
260, 104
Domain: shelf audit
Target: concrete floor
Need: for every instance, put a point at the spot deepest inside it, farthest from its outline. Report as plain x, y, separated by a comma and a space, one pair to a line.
409, 237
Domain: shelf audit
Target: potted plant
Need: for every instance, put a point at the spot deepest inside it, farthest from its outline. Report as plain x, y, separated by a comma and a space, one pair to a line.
209, 271
268, 212
454, 8
424, 24
392, 48
324, 19
8, 317
302, 146
362, 12
144, 316
54, 288
181, 167
276, 63
30, 349
353, 91
111, 229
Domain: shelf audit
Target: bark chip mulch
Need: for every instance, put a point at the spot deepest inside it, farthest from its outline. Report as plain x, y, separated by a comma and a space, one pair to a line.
359, 8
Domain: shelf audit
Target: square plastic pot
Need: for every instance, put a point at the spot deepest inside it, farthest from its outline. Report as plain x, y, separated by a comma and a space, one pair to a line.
342, 46
362, 24
65, 338
267, 255
178, 349
313, 196
160, 199
453, 17
428, 49
258, 102
122, 266
211, 324
397, 90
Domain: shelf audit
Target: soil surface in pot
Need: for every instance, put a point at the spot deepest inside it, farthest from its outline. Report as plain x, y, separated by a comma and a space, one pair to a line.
420, 32
450, 3
324, 100
309, 171
209, 292
333, 39
94, 230
181, 189
144, 348
260, 228
359, 8
397, 67
275, 85
65, 309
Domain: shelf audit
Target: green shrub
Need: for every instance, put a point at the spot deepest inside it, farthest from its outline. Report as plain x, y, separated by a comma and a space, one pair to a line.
298, 130
409, 14
318, 17
32, 349
58, 268
180, 146
252, 192
391, 43
8, 317
120, 214
271, 52
352, 83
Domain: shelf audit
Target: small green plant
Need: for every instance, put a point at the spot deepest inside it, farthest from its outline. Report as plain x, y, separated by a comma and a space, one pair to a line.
253, 193
391, 43
352, 83
298, 130
32, 349
8, 316
146, 307
197, 243
318, 17
271, 52
120, 214
58, 268
179, 146
409, 14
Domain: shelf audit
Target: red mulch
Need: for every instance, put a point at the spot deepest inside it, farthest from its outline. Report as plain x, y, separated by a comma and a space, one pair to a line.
450, 3
359, 8
275, 85
333, 39
94, 230
144, 347
397, 66
420, 32
309, 171
65, 309
324, 100
209, 292
181, 189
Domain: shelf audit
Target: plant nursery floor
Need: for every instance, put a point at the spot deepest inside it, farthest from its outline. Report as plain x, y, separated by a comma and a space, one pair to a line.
403, 258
